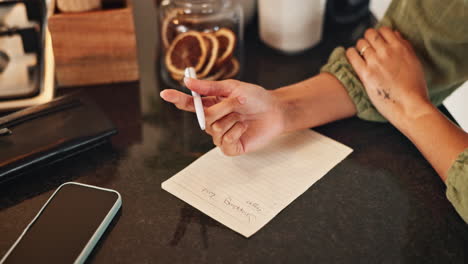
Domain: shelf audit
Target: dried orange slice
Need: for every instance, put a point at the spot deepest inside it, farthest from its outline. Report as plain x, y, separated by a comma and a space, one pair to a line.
227, 44
232, 68
212, 45
216, 75
187, 50
177, 77
168, 32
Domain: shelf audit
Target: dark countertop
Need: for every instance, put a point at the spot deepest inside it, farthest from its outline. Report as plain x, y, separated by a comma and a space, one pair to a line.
383, 204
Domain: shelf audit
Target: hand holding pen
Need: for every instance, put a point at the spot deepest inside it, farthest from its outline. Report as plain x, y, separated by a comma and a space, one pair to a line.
240, 117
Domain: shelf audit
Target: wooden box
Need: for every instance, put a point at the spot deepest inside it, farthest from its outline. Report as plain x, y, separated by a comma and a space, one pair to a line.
95, 47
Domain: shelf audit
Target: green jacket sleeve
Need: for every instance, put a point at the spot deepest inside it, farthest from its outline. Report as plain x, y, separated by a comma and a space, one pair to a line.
457, 185
438, 32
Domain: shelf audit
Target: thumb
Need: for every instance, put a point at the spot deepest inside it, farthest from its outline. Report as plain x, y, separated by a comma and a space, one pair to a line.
208, 88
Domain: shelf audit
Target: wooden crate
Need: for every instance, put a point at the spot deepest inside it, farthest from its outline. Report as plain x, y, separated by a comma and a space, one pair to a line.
94, 47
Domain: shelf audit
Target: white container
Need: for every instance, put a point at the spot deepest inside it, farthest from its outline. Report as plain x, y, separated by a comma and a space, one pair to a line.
291, 26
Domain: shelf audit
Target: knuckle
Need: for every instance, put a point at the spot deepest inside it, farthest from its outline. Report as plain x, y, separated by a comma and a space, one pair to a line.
360, 42
228, 138
386, 52
212, 133
369, 32
405, 45
384, 29
217, 126
400, 47
234, 116
179, 106
227, 151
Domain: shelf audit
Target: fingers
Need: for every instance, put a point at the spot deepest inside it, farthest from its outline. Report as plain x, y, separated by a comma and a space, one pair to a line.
403, 40
184, 101
224, 108
398, 34
374, 38
365, 49
227, 132
355, 59
180, 100
389, 35
215, 88
220, 127
378, 42
231, 144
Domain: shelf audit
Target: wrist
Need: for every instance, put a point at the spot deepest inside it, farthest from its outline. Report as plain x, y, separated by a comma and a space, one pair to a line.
280, 107
412, 116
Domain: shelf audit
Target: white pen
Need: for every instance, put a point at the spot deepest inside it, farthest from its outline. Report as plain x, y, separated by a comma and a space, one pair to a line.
190, 72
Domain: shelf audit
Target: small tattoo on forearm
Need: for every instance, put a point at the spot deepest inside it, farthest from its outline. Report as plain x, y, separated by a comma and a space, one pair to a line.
386, 94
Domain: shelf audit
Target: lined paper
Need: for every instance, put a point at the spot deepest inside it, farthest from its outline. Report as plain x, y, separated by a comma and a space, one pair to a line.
246, 192
456, 105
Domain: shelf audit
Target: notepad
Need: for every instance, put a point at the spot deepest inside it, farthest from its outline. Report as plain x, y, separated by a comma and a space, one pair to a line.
456, 105
245, 192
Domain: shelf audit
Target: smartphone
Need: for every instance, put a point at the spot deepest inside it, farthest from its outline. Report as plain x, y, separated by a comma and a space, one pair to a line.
67, 227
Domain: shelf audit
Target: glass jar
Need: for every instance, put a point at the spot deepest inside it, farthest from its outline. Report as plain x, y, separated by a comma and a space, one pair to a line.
204, 34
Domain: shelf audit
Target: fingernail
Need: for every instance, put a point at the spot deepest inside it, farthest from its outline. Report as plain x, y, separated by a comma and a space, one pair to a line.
161, 94
241, 99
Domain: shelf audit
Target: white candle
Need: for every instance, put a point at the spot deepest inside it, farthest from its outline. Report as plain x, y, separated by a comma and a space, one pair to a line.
291, 26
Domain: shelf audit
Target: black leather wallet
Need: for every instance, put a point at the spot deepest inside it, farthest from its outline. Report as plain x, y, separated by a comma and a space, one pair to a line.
43, 134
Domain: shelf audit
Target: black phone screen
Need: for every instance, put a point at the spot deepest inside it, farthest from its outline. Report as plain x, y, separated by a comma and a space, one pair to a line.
65, 226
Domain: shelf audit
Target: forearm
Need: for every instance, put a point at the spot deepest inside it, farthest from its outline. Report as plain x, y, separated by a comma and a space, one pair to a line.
313, 102
438, 139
